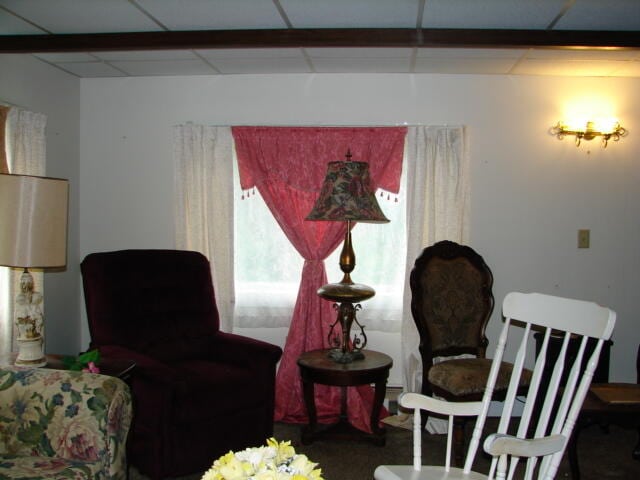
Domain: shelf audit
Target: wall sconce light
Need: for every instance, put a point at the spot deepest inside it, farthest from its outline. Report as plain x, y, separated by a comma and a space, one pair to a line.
590, 130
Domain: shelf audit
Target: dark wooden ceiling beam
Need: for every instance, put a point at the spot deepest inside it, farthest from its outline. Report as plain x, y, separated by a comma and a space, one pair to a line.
290, 38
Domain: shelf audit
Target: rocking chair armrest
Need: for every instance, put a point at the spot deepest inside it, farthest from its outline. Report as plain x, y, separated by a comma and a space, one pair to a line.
501, 444
424, 402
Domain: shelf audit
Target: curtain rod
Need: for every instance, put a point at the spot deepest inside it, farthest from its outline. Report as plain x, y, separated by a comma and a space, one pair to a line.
320, 125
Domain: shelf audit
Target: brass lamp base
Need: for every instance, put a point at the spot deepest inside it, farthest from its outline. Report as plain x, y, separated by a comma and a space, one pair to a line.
346, 295
346, 292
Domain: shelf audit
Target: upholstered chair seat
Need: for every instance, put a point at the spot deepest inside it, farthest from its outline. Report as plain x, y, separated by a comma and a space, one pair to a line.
468, 376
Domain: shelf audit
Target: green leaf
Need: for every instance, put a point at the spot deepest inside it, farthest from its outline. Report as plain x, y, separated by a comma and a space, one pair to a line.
7, 379
75, 397
90, 356
99, 403
68, 362
32, 434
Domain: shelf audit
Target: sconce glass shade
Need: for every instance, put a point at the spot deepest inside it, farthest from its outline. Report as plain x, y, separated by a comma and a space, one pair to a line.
608, 130
346, 195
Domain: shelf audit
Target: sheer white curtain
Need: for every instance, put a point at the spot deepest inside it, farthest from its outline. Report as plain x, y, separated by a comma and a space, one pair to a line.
26, 154
203, 161
438, 201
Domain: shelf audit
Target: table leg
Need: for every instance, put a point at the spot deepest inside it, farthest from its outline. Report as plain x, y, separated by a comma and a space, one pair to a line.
308, 432
378, 431
344, 416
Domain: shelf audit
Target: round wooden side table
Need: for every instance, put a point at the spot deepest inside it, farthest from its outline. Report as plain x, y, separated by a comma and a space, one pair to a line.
316, 367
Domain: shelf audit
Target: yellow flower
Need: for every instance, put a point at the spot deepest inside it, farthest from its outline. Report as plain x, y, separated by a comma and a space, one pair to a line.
302, 465
316, 474
284, 450
266, 475
275, 461
212, 474
233, 469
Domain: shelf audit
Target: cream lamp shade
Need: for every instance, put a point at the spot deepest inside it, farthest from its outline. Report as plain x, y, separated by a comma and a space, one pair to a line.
33, 221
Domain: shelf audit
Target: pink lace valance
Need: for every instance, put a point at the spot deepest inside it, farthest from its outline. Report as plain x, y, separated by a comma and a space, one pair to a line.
298, 156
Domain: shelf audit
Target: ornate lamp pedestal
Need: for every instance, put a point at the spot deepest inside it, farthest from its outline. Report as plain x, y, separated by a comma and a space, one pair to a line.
347, 296
29, 324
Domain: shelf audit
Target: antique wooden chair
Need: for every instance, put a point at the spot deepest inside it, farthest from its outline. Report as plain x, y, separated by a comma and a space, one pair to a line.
537, 443
451, 302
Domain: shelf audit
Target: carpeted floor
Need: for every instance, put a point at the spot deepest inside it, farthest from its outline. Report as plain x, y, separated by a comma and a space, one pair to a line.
602, 455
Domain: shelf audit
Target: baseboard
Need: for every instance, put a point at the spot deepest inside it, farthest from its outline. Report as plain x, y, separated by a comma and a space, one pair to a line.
391, 399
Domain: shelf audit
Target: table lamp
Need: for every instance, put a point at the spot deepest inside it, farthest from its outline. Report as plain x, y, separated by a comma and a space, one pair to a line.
346, 196
33, 234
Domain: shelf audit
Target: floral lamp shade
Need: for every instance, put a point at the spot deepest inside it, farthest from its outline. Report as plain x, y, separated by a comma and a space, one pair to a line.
346, 195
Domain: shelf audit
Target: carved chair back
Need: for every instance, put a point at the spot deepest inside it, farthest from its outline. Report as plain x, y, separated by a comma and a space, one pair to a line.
451, 301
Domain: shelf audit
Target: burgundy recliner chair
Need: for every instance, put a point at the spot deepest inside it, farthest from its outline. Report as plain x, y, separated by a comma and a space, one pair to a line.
198, 392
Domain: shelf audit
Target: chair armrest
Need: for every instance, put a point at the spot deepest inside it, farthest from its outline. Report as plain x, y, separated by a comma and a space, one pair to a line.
154, 384
76, 416
146, 366
501, 444
424, 402
245, 351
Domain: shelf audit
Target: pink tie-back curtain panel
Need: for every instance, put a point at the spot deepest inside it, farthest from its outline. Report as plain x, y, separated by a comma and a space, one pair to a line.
288, 166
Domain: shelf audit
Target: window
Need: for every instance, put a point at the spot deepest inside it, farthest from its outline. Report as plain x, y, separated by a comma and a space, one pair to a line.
268, 268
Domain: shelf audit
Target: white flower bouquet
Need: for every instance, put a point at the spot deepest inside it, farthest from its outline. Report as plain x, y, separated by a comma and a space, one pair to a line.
274, 461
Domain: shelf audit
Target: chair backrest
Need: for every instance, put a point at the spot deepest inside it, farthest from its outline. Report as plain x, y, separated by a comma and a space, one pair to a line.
451, 300
525, 314
158, 301
550, 408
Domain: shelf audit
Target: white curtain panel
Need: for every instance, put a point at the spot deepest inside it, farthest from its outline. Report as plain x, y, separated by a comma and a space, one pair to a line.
438, 201
6, 329
203, 161
26, 155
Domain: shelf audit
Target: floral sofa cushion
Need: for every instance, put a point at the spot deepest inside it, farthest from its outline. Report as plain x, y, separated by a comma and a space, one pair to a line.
61, 424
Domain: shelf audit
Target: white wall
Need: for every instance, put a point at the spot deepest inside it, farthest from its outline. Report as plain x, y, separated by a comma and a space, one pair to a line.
35, 86
530, 192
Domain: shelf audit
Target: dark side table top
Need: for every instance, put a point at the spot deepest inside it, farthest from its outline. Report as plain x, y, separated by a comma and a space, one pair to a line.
323, 369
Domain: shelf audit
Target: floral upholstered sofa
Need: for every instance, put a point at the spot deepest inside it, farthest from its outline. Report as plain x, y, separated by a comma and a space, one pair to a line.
58, 424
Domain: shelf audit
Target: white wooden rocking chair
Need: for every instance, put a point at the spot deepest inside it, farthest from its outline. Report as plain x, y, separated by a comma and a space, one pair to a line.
542, 432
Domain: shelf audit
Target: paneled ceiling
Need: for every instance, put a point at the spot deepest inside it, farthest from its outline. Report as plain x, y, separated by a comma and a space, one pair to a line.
121, 38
